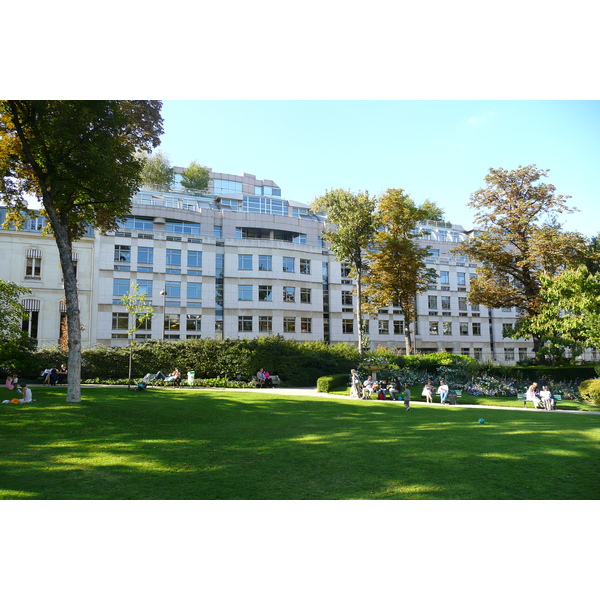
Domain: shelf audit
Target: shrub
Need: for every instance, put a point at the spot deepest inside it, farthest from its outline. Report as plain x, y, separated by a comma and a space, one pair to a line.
328, 383
590, 391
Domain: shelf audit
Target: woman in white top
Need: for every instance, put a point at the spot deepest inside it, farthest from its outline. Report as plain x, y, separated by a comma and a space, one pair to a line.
546, 397
532, 395
428, 392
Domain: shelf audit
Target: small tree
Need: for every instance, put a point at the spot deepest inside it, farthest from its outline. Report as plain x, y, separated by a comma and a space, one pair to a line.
157, 172
353, 224
195, 178
140, 310
14, 342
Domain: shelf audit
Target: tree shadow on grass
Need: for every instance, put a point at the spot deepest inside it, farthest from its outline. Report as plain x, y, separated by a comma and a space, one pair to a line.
227, 445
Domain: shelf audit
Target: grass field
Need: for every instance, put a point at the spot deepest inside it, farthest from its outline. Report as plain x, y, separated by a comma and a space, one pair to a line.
215, 444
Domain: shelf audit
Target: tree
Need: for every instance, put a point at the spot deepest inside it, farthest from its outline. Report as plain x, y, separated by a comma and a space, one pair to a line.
158, 173
14, 342
431, 211
136, 304
81, 159
352, 228
519, 241
397, 269
195, 178
570, 314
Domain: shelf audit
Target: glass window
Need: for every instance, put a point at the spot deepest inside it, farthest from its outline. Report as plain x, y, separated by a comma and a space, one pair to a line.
305, 295
171, 322
145, 286
447, 328
384, 327
265, 263
224, 186
398, 327
476, 328
120, 320
288, 264
445, 302
194, 290
475, 307
244, 292
145, 255
265, 324
464, 328
477, 353
173, 257
122, 253
120, 287
244, 323
462, 304
305, 324
180, 227
444, 277
434, 328
305, 266
347, 298
347, 325
509, 354
461, 279
300, 238
138, 224
265, 293
432, 302
194, 259
33, 268
522, 354
289, 324
245, 262
345, 271
289, 294
218, 231
173, 289
193, 322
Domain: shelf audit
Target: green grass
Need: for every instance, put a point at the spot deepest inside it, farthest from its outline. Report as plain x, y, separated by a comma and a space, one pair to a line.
215, 444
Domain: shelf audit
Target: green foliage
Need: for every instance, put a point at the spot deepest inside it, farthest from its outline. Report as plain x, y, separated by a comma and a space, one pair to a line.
15, 344
590, 391
329, 383
195, 178
158, 173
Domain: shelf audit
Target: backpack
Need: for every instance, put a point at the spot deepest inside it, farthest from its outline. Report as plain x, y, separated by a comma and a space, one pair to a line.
381, 395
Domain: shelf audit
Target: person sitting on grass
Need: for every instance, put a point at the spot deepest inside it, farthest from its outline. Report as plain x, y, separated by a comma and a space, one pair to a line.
11, 382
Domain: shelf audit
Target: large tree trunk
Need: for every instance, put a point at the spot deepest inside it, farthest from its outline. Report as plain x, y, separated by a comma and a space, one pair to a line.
359, 313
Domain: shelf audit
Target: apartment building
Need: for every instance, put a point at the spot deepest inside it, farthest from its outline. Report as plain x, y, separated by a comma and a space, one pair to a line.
243, 261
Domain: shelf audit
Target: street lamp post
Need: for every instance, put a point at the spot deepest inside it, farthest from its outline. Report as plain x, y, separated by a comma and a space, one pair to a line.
164, 294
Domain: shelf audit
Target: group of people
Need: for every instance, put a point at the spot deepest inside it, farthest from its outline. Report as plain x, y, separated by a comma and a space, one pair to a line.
540, 398
55, 375
264, 378
11, 384
382, 388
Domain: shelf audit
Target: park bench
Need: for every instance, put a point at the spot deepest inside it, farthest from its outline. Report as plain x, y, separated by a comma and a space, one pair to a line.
275, 381
521, 396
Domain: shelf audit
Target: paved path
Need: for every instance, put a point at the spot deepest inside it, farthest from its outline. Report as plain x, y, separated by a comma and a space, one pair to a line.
283, 391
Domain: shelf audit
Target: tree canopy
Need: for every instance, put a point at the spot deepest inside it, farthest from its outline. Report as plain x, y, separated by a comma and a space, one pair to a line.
352, 226
82, 160
397, 269
14, 342
157, 173
195, 178
520, 240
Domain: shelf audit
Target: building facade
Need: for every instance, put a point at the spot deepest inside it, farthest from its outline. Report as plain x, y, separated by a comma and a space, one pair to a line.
243, 261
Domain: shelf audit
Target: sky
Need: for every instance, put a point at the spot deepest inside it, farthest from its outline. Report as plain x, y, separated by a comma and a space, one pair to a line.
435, 150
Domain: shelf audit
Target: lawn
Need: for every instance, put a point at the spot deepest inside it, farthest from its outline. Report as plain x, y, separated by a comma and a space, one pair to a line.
216, 444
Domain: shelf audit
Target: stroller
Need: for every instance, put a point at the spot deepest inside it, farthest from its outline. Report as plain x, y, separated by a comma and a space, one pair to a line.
148, 379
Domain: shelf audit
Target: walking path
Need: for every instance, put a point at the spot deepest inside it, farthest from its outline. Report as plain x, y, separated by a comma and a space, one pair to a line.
283, 391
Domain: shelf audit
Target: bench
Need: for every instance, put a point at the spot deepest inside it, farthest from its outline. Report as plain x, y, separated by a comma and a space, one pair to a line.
557, 398
275, 381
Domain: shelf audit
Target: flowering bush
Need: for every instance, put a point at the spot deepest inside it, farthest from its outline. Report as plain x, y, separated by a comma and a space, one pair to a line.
485, 385
374, 361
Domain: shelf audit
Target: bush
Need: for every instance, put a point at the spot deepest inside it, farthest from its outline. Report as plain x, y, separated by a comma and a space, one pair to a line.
590, 391
328, 383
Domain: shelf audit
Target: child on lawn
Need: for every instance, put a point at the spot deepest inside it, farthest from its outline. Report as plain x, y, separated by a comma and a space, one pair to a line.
406, 396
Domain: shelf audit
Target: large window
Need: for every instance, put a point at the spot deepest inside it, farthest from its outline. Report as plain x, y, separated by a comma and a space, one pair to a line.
194, 290
120, 320
289, 294
223, 186
288, 264
171, 322
193, 322
347, 325
145, 287
145, 255
194, 260
445, 277
384, 327
265, 324
398, 327
138, 224
180, 227
123, 254
305, 266
173, 289
244, 292
476, 328
347, 298
445, 302
271, 206
244, 323
305, 295
33, 268
447, 328
289, 324
265, 293
432, 302
173, 257
306, 325
245, 262
265, 263
120, 287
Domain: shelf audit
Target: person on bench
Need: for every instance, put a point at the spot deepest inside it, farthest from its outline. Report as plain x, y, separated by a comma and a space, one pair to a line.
264, 379
174, 377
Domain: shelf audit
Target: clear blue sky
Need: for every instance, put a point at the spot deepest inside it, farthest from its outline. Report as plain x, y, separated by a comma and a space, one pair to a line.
437, 150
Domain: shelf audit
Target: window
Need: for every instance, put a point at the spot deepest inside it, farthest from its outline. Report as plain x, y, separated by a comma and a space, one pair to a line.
223, 186
447, 328
218, 231
462, 304
265, 293
506, 329
120, 287
477, 353
288, 264
346, 298
289, 294
300, 238
122, 253
522, 354
509, 354
138, 224
384, 327
145, 255
445, 302
30, 321
265, 263
193, 322
475, 307
398, 327
145, 287
345, 271
347, 325
289, 324
120, 320
305, 324
434, 328
461, 279
444, 277
171, 322
145, 325
179, 227
465, 351
476, 328
245, 262
244, 292
305, 295
305, 266
173, 289
194, 290
244, 323
33, 268
464, 328
194, 260
173, 257
265, 324
432, 302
